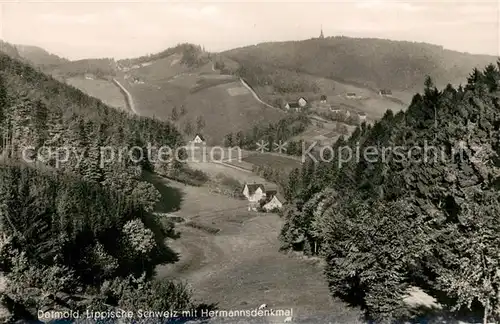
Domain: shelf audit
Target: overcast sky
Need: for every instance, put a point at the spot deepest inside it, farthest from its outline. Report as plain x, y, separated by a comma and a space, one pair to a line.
124, 28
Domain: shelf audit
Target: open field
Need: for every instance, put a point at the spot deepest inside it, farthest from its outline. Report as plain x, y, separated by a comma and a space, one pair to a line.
224, 113
278, 162
240, 267
214, 169
101, 89
161, 69
243, 159
218, 99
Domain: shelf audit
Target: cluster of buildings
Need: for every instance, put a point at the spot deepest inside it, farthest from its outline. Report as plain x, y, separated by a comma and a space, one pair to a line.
258, 197
347, 114
302, 103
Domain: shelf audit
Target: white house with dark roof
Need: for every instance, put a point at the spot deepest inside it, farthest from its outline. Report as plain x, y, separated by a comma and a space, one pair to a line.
198, 139
273, 201
255, 193
302, 102
292, 106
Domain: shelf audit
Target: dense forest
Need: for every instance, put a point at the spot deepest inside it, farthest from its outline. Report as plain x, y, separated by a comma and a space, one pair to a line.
77, 232
383, 226
39, 57
191, 55
272, 133
372, 63
262, 74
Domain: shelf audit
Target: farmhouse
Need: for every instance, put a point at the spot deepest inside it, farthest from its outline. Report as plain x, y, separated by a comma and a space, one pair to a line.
385, 93
198, 139
351, 95
302, 102
362, 117
293, 106
322, 99
254, 193
89, 76
137, 80
273, 201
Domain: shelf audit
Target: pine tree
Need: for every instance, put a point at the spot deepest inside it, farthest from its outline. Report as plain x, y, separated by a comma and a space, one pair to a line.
3, 116
183, 110
174, 115
200, 123
3, 102
491, 77
239, 139
228, 140
40, 123
188, 127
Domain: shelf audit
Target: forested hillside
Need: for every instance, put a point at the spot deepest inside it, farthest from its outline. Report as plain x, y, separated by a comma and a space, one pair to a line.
101, 68
78, 233
372, 63
383, 225
10, 50
191, 55
39, 57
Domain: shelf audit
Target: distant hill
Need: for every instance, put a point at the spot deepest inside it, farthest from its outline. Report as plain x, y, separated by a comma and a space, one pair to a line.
366, 62
191, 55
10, 50
56, 66
101, 68
38, 56
221, 101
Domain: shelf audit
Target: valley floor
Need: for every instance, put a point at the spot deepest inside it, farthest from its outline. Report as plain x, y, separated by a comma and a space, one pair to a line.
241, 267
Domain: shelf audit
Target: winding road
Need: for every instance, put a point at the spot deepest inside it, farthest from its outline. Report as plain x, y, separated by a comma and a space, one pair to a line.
128, 96
255, 95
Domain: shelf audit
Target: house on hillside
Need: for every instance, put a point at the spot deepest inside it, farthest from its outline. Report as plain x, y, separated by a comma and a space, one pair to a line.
322, 99
385, 93
198, 139
292, 106
335, 110
297, 106
362, 117
351, 95
254, 193
273, 201
302, 102
89, 76
136, 80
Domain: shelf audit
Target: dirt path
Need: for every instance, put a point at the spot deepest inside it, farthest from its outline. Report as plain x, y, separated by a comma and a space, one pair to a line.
255, 95
128, 97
